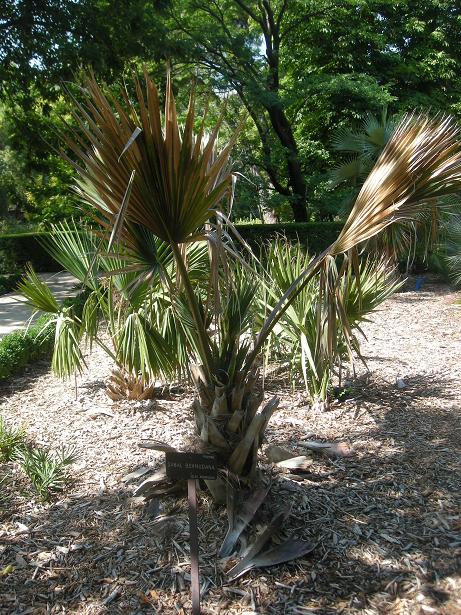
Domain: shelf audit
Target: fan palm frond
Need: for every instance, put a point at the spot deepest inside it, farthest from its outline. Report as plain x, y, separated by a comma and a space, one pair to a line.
419, 166
452, 247
175, 178
36, 293
74, 247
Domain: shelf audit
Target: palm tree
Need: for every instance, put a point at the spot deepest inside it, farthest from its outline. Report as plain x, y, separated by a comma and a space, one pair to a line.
138, 170
363, 147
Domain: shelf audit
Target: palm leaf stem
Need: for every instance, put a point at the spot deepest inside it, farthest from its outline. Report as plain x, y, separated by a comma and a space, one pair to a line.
203, 338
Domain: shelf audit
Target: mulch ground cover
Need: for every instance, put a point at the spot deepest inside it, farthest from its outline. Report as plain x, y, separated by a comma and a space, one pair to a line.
385, 520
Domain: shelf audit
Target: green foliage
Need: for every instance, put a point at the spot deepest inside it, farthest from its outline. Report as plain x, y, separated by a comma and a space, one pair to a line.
34, 183
12, 441
363, 146
47, 471
13, 197
18, 249
302, 336
8, 282
449, 254
19, 348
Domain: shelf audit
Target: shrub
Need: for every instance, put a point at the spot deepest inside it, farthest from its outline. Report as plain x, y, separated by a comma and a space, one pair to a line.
314, 236
18, 249
8, 282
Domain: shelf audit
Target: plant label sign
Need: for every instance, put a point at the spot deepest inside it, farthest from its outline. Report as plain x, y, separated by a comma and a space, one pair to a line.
186, 466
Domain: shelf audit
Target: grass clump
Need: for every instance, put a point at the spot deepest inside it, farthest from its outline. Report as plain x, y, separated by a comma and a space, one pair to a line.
47, 471
12, 441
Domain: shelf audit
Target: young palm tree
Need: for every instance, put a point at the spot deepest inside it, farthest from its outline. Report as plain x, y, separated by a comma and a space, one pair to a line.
300, 333
138, 170
363, 147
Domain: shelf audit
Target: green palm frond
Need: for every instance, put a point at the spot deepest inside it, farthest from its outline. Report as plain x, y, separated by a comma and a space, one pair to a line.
451, 246
36, 293
365, 290
237, 311
91, 315
74, 247
67, 354
349, 141
352, 170
141, 349
362, 146
46, 470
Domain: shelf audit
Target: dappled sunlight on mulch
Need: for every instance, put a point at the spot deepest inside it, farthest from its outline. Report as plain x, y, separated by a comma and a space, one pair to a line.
386, 521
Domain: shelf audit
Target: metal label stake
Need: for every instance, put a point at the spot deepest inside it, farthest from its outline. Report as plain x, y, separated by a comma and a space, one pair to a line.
193, 532
190, 467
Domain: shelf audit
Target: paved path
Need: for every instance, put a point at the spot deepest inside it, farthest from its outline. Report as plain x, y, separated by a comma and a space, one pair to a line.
15, 315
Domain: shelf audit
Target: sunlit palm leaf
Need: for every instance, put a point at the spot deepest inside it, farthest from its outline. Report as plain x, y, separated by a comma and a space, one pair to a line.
177, 180
37, 293
67, 354
420, 163
143, 350
74, 248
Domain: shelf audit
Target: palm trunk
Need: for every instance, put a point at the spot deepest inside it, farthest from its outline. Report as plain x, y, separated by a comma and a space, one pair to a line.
230, 423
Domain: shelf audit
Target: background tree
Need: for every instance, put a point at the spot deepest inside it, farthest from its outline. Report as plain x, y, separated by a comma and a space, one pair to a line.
301, 69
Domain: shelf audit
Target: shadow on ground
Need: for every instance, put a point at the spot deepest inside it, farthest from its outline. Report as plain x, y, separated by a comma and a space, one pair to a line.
386, 523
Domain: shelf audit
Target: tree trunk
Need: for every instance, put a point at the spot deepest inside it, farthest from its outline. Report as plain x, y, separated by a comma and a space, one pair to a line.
283, 130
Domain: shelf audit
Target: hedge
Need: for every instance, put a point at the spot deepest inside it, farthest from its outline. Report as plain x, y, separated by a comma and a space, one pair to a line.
316, 236
18, 249
8, 282
21, 348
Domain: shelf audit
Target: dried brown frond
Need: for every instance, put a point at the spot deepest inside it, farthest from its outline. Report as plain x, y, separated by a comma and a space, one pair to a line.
420, 164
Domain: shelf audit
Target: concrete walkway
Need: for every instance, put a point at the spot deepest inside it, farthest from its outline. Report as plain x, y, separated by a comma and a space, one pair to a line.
15, 315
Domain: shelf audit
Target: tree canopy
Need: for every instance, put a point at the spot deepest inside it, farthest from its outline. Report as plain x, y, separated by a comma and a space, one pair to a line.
300, 69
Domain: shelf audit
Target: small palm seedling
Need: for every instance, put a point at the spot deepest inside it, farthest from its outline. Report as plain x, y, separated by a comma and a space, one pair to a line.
46, 470
12, 441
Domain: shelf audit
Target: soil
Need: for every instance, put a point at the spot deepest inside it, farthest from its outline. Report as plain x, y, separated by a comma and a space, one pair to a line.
385, 521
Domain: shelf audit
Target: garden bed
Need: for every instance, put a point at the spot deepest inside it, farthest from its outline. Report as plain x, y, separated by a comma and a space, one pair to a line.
386, 521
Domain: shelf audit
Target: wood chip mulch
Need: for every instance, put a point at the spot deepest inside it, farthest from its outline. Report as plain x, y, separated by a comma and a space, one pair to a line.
386, 520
